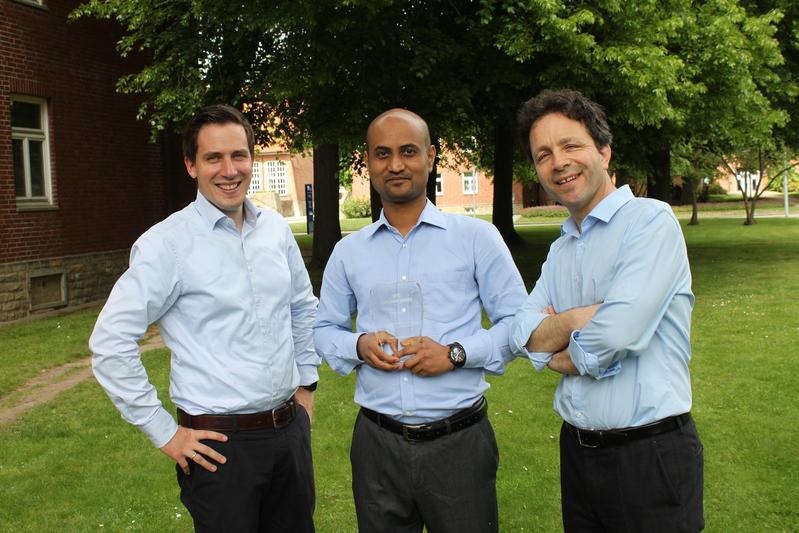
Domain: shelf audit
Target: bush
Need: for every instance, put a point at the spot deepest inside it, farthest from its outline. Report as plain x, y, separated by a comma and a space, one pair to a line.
354, 208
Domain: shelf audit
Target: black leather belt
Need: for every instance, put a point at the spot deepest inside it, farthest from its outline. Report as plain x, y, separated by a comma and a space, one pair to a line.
615, 437
432, 430
276, 418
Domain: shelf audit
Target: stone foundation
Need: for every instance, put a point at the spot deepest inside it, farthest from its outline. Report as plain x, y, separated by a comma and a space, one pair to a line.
64, 282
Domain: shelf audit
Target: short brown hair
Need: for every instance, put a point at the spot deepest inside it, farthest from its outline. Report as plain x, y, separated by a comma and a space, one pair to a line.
567, 102
214, 114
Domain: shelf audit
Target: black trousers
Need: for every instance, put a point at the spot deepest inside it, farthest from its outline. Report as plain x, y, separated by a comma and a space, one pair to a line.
266, 485
447, 484
649, 485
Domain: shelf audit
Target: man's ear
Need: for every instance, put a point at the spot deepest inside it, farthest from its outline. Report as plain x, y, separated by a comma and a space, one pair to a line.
605, 152
190, 168
431, 158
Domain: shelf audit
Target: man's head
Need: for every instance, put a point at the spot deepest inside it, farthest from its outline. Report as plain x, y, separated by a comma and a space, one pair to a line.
568, 140
217, 151
399, 156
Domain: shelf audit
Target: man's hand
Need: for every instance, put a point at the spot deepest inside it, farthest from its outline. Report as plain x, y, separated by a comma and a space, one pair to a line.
370, 351
186, 446
429, 358
562, 364
304, 397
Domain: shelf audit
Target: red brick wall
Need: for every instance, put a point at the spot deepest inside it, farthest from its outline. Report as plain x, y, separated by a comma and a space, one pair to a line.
107, 179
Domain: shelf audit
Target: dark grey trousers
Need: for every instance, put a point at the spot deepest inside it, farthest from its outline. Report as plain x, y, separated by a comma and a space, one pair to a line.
653, 484
266, 485
447, 484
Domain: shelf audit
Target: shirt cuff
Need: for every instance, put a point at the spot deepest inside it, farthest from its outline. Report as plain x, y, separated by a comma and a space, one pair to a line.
524, 324
160, 428
478, 349
309, 374
588, 363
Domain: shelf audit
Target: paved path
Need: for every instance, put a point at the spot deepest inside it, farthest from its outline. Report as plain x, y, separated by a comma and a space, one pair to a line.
46, 386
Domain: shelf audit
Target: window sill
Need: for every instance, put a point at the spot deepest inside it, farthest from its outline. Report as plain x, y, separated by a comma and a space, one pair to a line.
32, 3
27, 205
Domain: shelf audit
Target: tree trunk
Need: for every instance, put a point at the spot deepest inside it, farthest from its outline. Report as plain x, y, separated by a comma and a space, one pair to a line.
431, 178
375, 201
660, 181
327, 229
503, 179
691, 183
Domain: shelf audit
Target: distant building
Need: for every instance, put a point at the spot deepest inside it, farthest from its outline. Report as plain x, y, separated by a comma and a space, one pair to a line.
79, 180
279, 179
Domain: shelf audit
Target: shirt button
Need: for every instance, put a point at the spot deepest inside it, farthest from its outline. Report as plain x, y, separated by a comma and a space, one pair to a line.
404, 278
579, 415
405, 379
404, 245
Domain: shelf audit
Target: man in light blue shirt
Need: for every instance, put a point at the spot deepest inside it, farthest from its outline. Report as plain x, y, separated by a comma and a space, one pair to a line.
611, 311
228, 287
423, 452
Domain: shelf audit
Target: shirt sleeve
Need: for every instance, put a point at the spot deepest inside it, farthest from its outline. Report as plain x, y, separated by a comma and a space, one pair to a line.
140, 297
333, 335
528, 318
648, 275
501, 292
303, 314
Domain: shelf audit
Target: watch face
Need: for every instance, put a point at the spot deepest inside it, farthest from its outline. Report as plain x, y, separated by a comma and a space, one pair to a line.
457, 354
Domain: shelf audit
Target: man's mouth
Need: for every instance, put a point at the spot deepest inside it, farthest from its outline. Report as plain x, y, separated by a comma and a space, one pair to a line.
567, 179
229, 186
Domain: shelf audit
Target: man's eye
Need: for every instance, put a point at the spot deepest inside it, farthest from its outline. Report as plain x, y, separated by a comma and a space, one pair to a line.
541, 157
409, 151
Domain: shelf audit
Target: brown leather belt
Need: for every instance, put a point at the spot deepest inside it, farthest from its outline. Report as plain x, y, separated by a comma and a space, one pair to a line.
432, 430
614, 437
276, 418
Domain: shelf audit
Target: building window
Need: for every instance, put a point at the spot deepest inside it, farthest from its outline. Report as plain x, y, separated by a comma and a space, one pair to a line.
256, 185
439, 185
469, 181
275, 174
30, 150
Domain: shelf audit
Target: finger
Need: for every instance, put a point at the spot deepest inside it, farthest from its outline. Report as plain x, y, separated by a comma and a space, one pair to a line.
205, 463
374, 361
209, 452
184, 466
379, 353
202, 434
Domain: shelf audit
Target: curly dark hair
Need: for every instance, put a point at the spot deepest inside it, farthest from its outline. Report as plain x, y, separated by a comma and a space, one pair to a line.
567, 102
214, 114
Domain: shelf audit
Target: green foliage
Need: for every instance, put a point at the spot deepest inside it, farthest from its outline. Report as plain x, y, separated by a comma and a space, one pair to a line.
356, 208
716, 189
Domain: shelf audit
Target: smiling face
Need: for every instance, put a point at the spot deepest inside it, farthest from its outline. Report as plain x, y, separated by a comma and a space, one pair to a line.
223, 167
399, 157
572, 170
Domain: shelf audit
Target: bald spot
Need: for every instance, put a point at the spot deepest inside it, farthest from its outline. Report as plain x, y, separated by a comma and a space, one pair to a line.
402, 114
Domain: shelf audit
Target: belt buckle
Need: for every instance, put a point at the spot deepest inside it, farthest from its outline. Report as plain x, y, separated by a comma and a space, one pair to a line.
585, 444
280, 424
406, 429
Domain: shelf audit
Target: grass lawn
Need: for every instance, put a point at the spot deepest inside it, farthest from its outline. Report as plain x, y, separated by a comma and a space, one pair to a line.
74, 465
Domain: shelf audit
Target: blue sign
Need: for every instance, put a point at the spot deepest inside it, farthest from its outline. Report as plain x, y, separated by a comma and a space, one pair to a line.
309, 207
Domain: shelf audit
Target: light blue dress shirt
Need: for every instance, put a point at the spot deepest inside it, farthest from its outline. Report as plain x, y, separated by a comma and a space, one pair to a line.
462, 266
633, 355
235, 308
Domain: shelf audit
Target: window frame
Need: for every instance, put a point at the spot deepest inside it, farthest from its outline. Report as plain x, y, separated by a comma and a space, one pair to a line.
439, 184
27, 200
280, 186
473, 180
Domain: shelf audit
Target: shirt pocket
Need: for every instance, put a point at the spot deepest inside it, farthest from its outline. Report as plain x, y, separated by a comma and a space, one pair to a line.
447, 292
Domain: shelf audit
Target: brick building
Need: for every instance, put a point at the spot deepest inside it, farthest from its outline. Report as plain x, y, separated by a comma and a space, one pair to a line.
79, 180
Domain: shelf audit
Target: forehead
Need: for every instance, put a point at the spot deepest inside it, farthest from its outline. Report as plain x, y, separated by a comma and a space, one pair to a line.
395, 130
555, 128
217, 137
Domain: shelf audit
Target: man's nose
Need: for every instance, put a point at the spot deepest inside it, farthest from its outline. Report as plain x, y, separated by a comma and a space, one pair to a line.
560, 159
395, 163
229, 169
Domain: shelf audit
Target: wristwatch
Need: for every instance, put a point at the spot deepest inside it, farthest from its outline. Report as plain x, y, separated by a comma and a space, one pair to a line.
311, 387
457, 355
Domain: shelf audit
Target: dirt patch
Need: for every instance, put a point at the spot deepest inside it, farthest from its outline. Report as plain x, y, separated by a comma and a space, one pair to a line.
46, 386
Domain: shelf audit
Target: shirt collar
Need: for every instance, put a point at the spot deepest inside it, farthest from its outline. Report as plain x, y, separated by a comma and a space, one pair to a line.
211, 215
603, 211
430, 215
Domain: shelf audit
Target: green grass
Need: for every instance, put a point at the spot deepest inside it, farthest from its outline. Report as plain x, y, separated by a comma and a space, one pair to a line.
74, 464
29, 347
